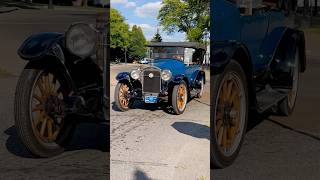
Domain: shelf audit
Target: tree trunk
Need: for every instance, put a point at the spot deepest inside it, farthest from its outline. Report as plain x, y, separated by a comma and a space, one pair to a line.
315, 7
85, 3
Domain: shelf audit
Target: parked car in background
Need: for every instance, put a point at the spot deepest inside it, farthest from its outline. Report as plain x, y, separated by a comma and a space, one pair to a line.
144, 61
166, 78
258, 54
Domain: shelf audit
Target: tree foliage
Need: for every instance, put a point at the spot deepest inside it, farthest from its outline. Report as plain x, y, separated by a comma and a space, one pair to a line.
189, 16
157, 37
119, 30
123, 41
136, 49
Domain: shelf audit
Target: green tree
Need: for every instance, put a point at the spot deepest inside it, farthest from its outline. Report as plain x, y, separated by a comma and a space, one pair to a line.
119, 30
189, 16
137, 49
157, 37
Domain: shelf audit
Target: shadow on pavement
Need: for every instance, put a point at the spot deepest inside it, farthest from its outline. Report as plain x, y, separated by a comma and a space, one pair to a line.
193, 129
140, 175
151, 107
86, 136
257, 119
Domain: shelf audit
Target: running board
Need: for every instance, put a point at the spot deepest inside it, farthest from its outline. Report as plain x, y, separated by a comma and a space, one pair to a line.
269, 97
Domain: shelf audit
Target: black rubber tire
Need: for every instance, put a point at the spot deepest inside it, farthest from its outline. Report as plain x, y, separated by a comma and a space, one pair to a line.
117, 101
23, 121
217, 159
174, 95
283, 106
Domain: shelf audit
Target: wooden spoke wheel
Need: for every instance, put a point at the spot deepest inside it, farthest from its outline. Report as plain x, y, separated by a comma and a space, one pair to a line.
179, 98
287, 105
229, 114
47, 107
229, 119
182, 97
122, 97
40, 112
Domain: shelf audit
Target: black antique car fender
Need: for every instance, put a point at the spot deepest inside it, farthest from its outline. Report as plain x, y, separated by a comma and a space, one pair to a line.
61, 85
45, 50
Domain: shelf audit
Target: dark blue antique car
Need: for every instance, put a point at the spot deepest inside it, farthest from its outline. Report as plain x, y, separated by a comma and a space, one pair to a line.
258, 53
174, 75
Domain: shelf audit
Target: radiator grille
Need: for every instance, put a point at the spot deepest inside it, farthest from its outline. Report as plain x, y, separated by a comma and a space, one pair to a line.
151, 84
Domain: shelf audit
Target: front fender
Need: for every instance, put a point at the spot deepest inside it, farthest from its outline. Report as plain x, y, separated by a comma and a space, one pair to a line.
223, 52
123, 76
177, 79
198, 75
40, 45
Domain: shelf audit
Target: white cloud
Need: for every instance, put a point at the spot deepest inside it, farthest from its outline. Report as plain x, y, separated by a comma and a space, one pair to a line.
149, 9
147, 29
126, 3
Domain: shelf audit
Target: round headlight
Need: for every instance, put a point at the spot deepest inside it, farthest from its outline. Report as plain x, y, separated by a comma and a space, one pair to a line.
166, 75
81, 40
135, 74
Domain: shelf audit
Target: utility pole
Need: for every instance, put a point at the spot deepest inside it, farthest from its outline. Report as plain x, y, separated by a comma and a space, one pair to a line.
50, 4
315, 7
125, 55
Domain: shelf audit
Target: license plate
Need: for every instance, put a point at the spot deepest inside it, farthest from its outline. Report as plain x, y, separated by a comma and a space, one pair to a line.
150, 99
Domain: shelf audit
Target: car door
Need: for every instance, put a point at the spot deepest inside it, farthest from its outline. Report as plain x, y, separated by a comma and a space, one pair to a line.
254, 29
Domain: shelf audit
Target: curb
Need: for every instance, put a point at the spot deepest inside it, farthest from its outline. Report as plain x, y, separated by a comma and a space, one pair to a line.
7, 10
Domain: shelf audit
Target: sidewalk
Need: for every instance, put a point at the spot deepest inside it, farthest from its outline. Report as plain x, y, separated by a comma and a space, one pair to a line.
7, 9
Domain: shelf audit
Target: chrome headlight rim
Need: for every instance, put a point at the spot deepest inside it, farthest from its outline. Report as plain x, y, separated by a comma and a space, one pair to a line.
135, 74
166, 75
81, 30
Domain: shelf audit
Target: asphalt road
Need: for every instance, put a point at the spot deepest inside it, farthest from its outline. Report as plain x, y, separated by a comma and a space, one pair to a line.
285, 147
150, 143
86, 156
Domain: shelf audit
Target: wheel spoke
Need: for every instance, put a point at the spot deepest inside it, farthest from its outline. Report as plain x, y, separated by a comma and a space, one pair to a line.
38, 98
224, 138
49, 126
220, 134
41, 87
43, 127
55, 134
38, 107
218, 125
224, 90
229, 90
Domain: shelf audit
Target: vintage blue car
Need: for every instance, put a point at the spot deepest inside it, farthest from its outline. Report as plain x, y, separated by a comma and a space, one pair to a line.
257, 55
174, 75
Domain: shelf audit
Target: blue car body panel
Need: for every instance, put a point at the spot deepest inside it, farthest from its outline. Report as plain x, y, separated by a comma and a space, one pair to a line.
178, 69
260, 33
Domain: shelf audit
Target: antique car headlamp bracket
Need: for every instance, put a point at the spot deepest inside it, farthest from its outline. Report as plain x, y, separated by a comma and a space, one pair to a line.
166, 75
135, 74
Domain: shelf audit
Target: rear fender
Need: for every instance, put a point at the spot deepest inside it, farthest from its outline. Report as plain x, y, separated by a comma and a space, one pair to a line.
282, 64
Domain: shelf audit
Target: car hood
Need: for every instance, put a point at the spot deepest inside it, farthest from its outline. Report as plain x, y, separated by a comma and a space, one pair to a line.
176, 67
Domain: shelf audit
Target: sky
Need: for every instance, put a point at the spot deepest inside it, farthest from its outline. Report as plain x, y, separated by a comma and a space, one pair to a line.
144, 14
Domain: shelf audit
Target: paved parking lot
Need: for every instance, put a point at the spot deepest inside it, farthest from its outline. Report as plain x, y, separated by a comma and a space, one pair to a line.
285, 147
85, 157
150, 143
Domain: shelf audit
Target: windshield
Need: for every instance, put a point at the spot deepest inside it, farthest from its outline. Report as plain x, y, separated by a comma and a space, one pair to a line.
167, 53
